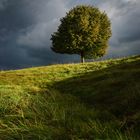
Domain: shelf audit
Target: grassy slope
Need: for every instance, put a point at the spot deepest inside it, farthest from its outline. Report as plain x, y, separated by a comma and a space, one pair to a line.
97, 100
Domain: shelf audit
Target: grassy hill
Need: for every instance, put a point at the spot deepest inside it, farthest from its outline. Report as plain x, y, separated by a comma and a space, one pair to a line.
97, 100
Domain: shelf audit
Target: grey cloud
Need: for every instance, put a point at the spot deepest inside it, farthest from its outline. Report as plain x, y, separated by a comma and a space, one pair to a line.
124, 49
131, 32
37, 35
125, 26
47, 20
3, 4
14, 17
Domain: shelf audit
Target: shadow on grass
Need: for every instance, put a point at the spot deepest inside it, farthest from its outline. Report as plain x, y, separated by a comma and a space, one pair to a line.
115, 89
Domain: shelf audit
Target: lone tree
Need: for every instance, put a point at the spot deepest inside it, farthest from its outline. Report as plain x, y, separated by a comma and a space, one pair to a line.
85, 31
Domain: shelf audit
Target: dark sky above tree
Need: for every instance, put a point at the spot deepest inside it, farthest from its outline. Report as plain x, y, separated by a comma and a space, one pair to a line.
26, 27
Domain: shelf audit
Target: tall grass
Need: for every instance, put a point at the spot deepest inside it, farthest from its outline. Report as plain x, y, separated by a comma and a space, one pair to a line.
72, 102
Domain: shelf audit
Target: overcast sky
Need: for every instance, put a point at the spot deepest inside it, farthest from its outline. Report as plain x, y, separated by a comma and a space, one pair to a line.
26, 27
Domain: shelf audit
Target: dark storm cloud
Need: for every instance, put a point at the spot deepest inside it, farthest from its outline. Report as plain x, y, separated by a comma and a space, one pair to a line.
12, 19
26, 27
3, 4
125, 26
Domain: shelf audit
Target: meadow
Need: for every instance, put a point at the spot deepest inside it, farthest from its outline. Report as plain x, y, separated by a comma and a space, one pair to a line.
90, 101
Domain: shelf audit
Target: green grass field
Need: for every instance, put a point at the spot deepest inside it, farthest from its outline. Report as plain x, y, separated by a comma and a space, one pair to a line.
91, 101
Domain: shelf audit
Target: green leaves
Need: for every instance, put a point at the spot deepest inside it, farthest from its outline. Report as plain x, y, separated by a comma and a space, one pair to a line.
83, 29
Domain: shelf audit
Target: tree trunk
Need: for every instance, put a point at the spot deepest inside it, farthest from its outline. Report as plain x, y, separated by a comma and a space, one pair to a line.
82, 57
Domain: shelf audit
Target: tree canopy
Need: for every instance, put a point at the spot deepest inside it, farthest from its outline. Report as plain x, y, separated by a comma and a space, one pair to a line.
85, 30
